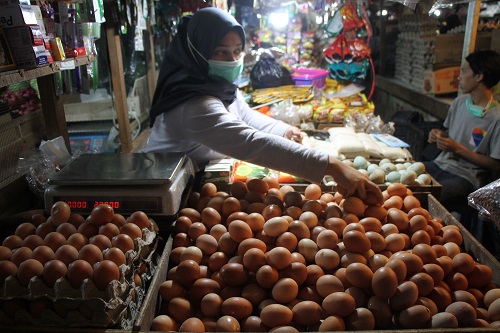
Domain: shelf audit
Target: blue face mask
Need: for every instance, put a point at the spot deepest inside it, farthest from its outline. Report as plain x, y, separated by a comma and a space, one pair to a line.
228, 70
476, 110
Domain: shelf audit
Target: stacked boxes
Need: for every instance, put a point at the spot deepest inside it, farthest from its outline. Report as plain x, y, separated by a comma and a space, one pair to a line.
25, 33
415, 48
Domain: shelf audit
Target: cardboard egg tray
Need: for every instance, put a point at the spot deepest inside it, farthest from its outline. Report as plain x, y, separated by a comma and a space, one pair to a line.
116, 306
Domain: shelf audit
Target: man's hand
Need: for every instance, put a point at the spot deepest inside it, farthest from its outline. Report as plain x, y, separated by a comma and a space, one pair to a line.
447, 144
434, 134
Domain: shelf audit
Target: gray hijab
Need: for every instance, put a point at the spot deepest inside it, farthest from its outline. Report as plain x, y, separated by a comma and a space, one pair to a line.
184, 73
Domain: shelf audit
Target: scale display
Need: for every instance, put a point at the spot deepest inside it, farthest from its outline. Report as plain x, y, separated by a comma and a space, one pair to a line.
150, 182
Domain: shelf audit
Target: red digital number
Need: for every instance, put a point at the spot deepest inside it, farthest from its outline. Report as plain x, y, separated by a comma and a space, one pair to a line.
77, 204
113, 204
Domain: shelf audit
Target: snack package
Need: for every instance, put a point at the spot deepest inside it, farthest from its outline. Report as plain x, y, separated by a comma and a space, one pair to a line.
487, 201
243, 170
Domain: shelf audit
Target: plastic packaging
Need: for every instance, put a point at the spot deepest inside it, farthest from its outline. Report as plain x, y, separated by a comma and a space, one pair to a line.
41, 164
487, 201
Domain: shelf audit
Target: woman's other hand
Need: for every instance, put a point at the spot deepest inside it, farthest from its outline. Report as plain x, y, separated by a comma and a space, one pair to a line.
350, 181
294, 134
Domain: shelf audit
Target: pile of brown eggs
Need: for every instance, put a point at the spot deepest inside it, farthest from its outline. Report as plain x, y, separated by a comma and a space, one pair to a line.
67, 246
265, 257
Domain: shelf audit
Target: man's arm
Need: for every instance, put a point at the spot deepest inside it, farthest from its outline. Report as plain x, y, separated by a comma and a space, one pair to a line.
481, 160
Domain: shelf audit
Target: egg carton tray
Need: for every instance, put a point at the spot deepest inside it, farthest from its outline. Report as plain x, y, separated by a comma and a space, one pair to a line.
117, 305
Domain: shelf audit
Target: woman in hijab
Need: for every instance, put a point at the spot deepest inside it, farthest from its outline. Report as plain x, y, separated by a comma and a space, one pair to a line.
199, 111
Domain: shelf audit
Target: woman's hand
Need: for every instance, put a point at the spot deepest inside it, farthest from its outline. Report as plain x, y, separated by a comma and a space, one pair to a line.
294, 134
350, 181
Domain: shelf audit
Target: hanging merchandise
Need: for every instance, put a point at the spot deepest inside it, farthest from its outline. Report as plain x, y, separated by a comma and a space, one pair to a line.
348, 56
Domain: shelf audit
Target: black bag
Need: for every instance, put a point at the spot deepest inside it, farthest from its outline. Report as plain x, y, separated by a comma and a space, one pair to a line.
267, 73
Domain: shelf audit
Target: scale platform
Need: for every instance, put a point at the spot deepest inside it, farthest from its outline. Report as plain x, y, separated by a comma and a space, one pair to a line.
150, 182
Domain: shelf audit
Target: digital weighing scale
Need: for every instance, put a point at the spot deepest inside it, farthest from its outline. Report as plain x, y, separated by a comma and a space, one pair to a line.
150, 182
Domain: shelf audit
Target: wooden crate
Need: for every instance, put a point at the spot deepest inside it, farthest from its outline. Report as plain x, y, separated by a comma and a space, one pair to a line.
434, 188
152, 300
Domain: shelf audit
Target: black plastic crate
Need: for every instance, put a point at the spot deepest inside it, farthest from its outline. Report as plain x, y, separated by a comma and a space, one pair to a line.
417, 135
401, 120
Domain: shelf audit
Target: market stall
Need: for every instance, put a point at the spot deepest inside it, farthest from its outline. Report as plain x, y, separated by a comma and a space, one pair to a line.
138, 242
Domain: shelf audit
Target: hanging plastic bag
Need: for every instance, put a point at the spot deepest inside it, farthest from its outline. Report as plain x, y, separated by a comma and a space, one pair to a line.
334, 26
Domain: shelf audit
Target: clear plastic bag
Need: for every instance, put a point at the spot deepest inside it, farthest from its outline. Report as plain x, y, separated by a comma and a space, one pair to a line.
41, 164
487, 201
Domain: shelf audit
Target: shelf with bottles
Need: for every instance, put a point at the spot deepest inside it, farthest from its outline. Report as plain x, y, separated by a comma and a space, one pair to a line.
19, 75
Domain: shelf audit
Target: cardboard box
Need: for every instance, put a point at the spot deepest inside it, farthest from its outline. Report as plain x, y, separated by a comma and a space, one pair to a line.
441, 81
448, 48
6, 60
17, 15
27, 51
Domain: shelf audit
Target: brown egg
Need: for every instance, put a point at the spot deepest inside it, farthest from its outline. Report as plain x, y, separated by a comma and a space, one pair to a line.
180, 309
313, 192
237, 307
28, 269
37, 219
163, 323
356, 241
384, 282
5, 253
208, 190
393, 202
52, 271
105, 272
115, 255
101, 241
132, 230
78, 271
210, 217
279, 257
21, 254
338, 304
192, 324
299, 229
25, 229
416, 316
267, 276
443, 320
274, 315
90, 253
123, 242
109, 230
140, 219
410, 202
227, 324
354, 205
378, 212
359, 275
480, 276
405, 296
276, 226
464, 312
54, 240
12, 242
187, 272
285, 290
7, 268
240, 230
88, 228
60, 213
102, 214
77, 240
67, 254
43, 254
234, 274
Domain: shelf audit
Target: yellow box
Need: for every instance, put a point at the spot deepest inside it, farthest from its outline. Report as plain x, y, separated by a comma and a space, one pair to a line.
441, 81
